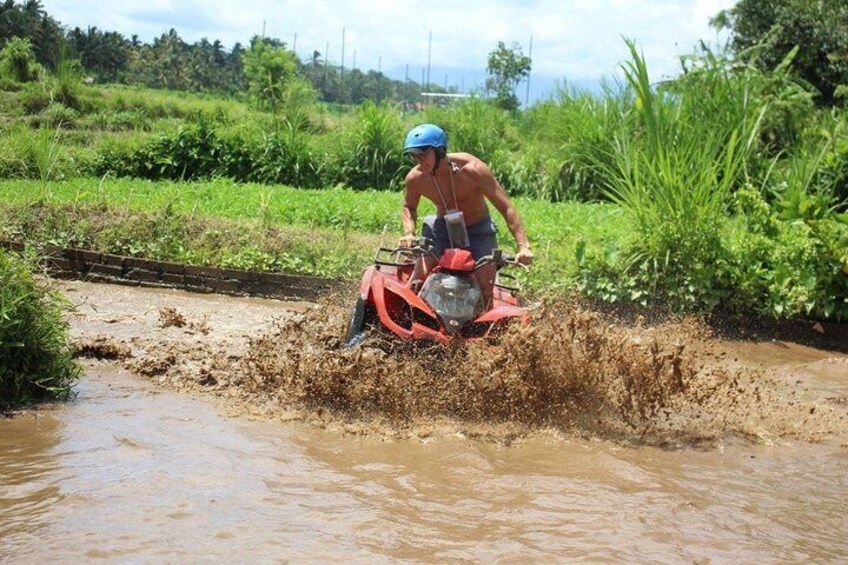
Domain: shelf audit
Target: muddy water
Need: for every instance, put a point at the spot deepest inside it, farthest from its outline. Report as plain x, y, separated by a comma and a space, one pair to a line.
133, 471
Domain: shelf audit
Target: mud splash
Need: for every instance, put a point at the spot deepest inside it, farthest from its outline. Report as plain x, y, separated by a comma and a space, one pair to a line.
571, 372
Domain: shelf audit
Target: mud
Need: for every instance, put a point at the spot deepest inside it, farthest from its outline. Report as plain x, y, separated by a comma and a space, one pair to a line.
364, 456
572, 372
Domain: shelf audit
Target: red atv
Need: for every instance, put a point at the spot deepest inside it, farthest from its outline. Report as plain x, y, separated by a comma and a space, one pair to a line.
449, 305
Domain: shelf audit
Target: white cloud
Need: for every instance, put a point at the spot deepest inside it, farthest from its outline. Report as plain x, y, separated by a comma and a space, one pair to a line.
572, 39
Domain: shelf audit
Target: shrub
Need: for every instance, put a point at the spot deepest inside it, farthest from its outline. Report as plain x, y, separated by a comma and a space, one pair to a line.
673, 181
788, 268
33, 154
581, 129
283, 156
57, 115
372, 154
18, 60
473, 126
35, 358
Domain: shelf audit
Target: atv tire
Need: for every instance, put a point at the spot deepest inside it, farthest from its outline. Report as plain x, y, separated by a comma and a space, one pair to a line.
357, 327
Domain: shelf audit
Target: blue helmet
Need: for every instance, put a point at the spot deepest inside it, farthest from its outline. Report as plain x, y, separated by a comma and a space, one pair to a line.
424, 136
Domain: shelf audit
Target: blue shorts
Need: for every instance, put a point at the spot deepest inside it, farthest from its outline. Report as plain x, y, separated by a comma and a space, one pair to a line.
483, 235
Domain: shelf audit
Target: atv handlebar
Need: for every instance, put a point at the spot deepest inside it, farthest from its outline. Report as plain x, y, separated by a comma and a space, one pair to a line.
419, 247
500, 259
424, 246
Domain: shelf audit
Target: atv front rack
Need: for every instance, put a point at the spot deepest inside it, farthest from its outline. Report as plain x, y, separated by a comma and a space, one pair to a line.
397, 257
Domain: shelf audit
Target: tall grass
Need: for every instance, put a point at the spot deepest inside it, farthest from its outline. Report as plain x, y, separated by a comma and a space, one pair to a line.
673, 179
373, 154
575, 132
28, 153
18, 61
476, 127
35, 358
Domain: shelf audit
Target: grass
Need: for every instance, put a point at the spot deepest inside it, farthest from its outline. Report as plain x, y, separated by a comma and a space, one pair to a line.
35, 358
330, 232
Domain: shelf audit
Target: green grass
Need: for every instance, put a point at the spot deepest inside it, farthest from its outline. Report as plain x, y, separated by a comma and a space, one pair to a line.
330, 232
35, 358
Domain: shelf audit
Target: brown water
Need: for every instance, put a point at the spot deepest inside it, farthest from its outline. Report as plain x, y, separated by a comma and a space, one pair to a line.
133, 471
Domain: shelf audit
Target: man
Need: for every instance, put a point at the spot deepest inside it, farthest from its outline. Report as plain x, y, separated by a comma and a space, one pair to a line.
456, 182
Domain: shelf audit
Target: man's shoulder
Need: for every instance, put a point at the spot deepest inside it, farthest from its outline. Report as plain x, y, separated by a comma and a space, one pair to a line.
414, 174
468, 163
462, 158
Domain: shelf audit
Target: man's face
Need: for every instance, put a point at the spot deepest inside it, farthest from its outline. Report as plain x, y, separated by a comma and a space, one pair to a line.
424, 157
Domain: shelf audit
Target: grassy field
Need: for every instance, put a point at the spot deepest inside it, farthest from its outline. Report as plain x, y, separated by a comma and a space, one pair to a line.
329, 232
726, 188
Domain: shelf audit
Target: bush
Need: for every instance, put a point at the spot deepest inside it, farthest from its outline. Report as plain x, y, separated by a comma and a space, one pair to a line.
35, 358
581, 129
791, 268
17, 60
474, 126
284, 157
674, 182
33, 154
57, 115
372, 153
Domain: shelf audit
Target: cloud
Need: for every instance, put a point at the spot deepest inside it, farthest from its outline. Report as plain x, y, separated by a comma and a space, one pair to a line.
571, 39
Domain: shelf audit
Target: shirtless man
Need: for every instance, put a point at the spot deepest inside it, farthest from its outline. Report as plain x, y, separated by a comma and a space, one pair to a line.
456, 181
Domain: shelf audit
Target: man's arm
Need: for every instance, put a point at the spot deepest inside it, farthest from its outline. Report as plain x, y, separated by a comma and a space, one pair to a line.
409, 214
493, 190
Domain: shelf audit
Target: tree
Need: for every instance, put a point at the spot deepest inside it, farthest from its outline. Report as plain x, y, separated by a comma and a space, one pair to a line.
105, 54
507, 67
18, 61
30, 21
765, 31
268, 66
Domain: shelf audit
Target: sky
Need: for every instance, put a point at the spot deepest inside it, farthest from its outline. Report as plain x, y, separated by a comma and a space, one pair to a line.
573, 42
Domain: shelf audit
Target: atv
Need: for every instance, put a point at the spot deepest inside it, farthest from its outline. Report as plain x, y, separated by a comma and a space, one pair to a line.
449, 305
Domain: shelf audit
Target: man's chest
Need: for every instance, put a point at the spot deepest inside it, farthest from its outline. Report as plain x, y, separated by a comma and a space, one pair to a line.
457, 194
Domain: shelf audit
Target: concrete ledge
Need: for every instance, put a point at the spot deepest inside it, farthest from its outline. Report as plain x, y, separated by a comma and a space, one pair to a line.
103, 267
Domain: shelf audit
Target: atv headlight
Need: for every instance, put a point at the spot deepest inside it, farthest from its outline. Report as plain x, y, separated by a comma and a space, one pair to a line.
456, 300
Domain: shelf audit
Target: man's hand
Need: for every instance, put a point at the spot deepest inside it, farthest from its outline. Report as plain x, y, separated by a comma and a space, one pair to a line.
407, 241
524, 255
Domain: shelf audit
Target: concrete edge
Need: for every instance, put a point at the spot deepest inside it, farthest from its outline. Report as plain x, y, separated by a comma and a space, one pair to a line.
81, 264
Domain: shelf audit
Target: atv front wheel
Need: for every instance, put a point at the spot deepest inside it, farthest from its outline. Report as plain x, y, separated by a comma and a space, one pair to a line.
357, 327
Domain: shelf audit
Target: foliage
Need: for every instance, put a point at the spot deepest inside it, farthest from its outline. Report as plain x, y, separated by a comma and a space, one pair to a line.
18, 61
188, 152
581, 129
787, 267
765, 32
28, 20
28, 153
373, 156
35, 358
171, 63
284, 156
673, 182
268, 68
724, 92
506, 67
475, 127
68, 82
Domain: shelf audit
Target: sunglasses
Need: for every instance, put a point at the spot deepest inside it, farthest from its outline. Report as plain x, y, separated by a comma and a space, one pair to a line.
416, 152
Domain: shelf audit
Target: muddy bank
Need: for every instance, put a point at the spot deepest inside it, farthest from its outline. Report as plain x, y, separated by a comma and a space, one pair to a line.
573, 373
